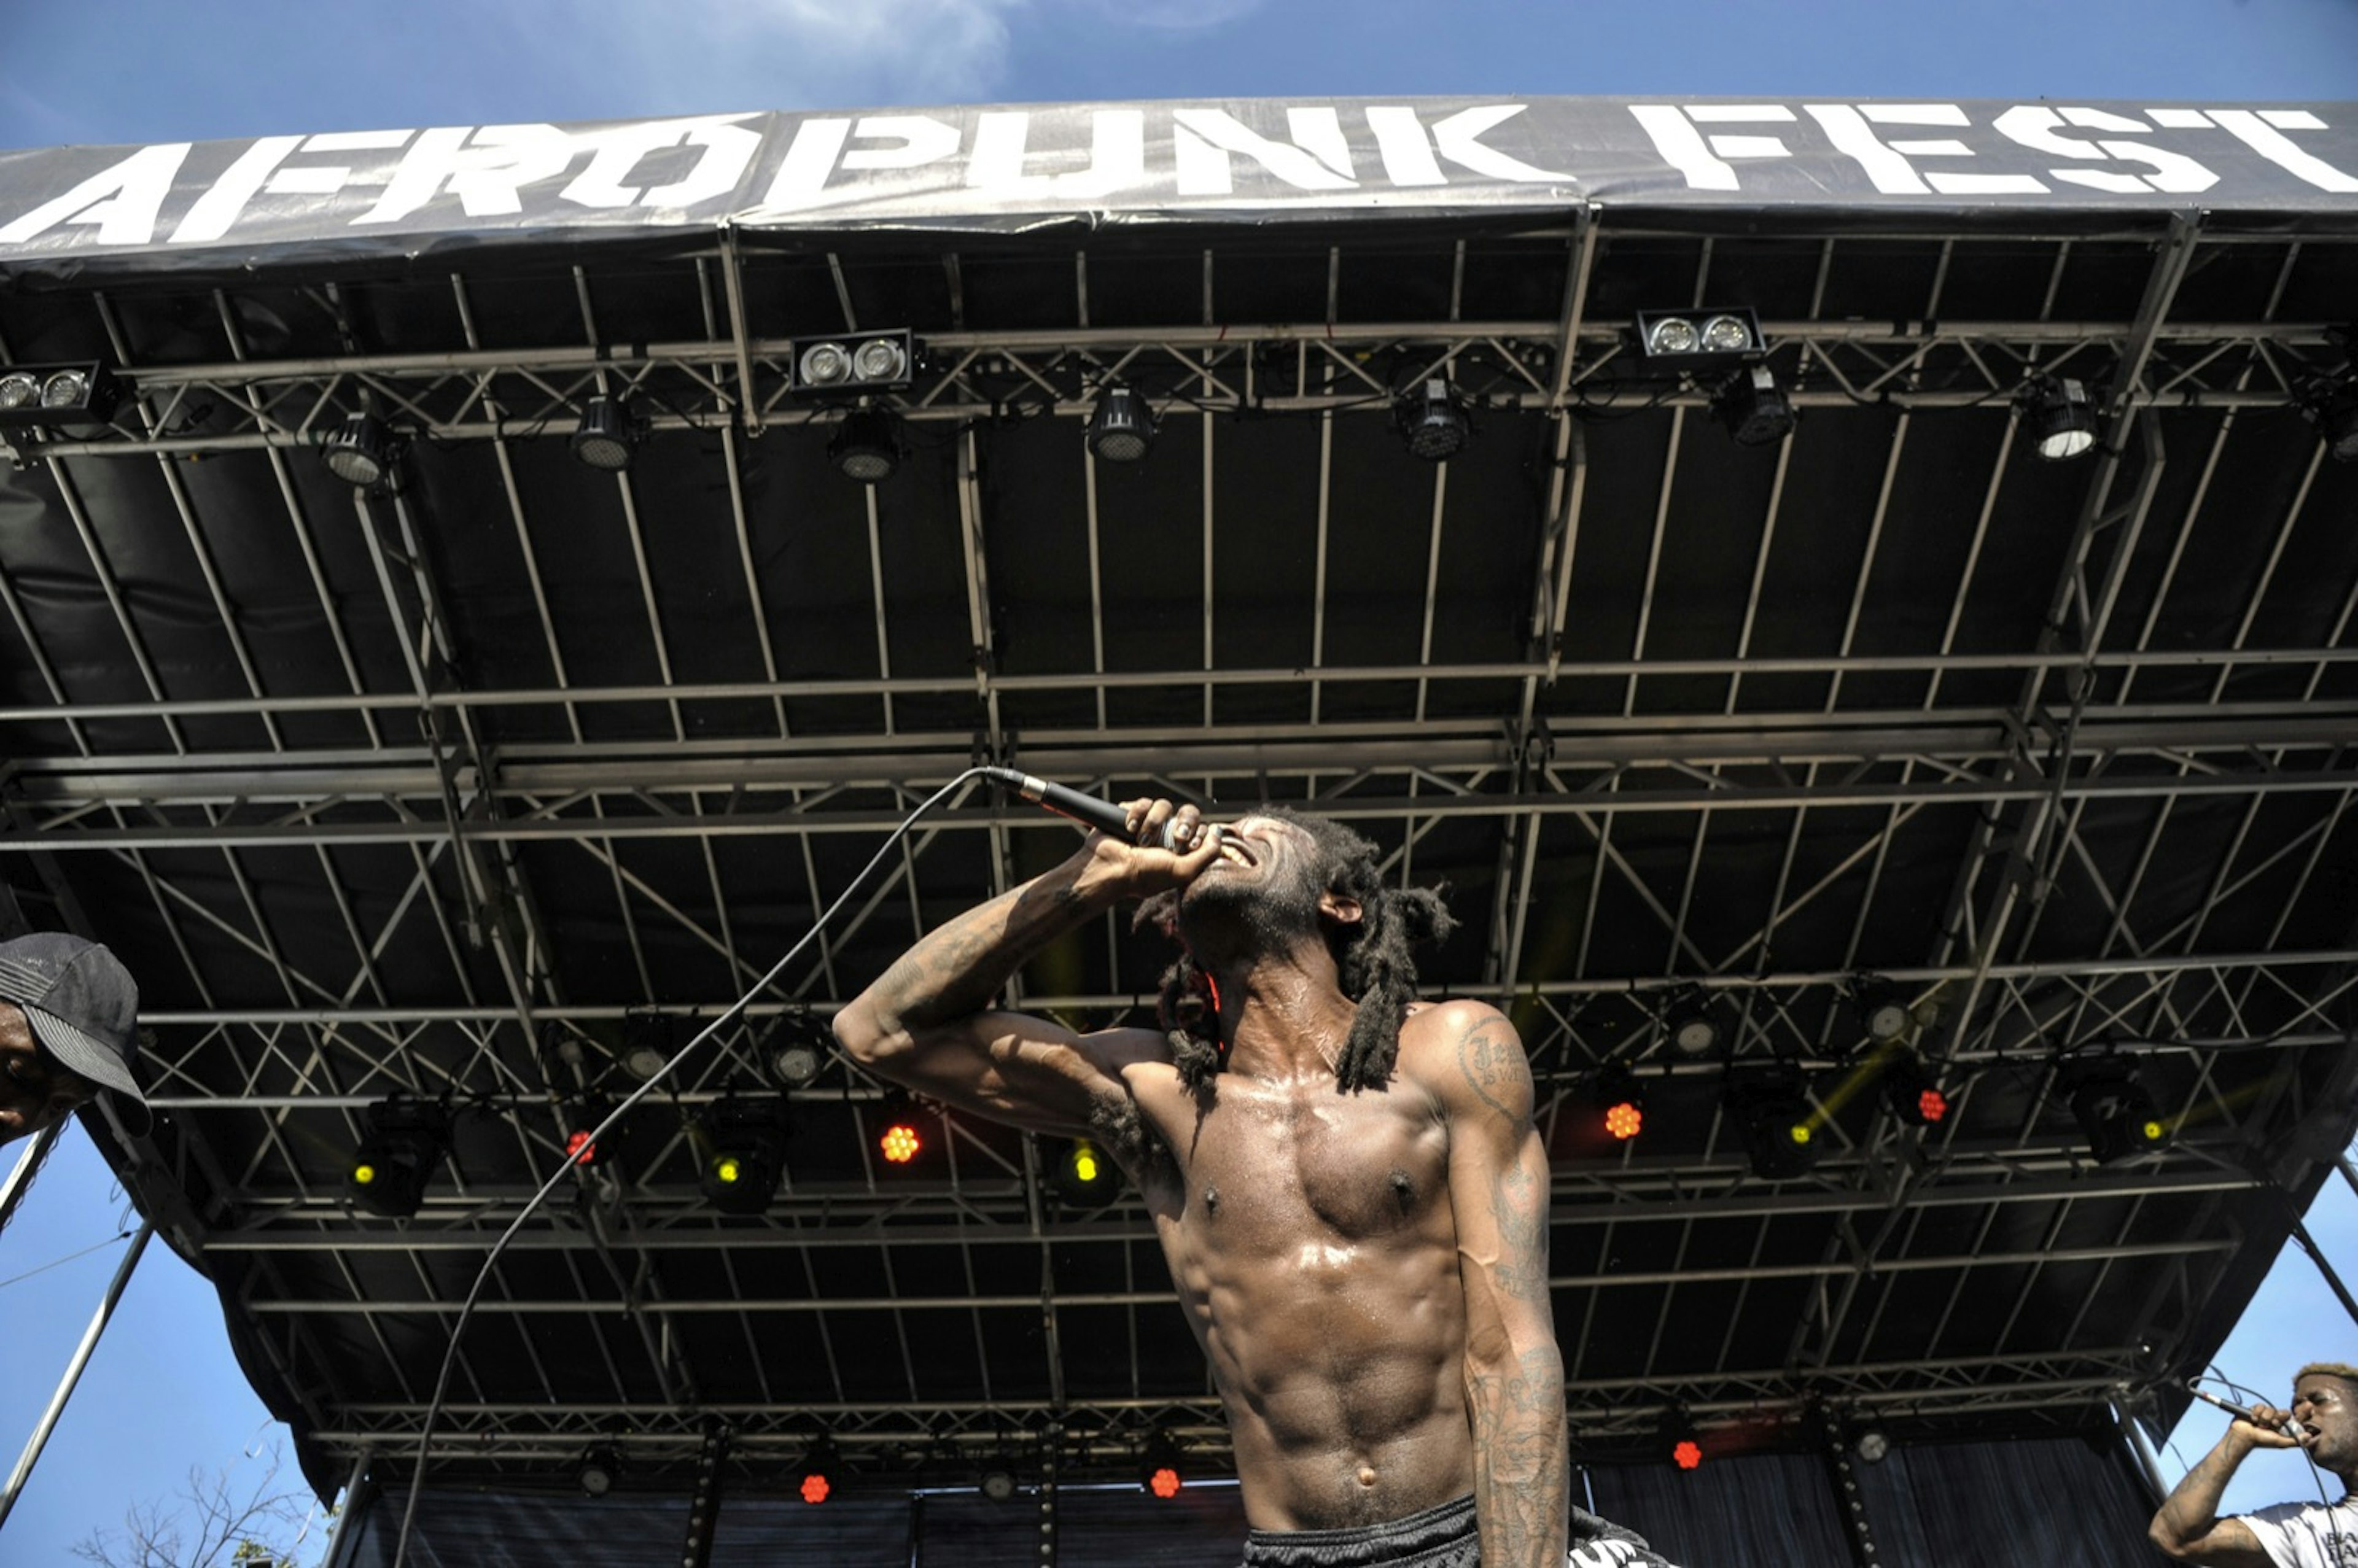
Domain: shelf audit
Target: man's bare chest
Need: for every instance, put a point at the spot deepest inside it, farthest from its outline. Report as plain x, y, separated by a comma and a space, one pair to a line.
1288, 1167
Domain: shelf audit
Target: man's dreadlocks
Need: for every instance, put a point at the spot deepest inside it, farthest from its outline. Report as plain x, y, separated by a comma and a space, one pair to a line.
1373, 961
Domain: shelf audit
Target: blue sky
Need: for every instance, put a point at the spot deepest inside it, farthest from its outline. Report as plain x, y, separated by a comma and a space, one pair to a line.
163, 1393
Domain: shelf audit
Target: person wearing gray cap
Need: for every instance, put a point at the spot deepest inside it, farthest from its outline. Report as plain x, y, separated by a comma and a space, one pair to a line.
68, 1028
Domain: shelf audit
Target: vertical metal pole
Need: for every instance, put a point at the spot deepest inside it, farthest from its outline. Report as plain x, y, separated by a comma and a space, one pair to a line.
27, 1166
345, 1537
2147, 1463
40, 1438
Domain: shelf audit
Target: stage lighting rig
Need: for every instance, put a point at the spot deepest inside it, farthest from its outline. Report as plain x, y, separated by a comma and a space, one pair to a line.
820, 1474
996, 1483
1160, 1472
360, 451
598, 1470
1621, 1101
2330, 403
853, 364
900, 1142
404, 1140
1781, 1129
609, 432
2059, 415
1692, 1024
1882, 1015
2117, 1113
794, 1050
1433, 421
1711, 337
1121, 426
1682, 1444
1086, 1179
741, 1148
83, 393
1753, 406
1912, 1093
647, 1042
867, 446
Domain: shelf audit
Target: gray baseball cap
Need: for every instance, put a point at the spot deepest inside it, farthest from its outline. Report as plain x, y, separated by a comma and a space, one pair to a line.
83, 1004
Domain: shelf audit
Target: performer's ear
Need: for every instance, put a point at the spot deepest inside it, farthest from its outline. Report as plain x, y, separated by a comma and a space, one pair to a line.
1339, 908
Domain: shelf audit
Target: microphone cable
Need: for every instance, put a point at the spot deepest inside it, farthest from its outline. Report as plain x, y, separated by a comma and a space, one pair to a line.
483, 1275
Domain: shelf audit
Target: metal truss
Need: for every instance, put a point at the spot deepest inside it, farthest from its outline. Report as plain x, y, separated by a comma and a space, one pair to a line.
491, 394
2066, 796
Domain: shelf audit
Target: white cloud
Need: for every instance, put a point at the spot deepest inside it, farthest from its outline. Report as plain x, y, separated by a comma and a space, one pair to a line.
796, 54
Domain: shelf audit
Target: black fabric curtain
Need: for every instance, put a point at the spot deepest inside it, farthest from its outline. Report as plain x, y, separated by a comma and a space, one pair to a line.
2039, 1500
1117, 1528
1759, 1510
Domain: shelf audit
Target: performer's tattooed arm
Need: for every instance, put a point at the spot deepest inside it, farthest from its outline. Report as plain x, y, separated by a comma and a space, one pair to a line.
1514, 1373
927, 1020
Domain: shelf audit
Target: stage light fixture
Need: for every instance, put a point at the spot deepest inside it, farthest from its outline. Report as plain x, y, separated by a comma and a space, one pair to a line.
1085, 1178
998, 1484
1623, 1101
1912, 1093
597, 1471
867, 446
900, 1142
1121, 426
609, 434
2059, 414
360, 452
741, 1147
1881, 1012
1754, 407
820, 1474
851, 363
2331, 404
1706, 339
1871, 1445
2117, 1113
1160, 1472
1433, 421
83, 393
646, 1043
1692, 1025
796, 1050
1777, 1125
403, 1142
1682, 1444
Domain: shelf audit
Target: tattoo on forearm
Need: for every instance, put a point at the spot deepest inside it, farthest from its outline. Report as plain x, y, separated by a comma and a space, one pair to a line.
959, 966
1520, 1477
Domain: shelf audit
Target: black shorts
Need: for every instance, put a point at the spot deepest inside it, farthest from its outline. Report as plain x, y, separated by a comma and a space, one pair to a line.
1440, 1537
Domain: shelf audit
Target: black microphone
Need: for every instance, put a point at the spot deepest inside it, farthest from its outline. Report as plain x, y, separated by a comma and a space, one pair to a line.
1086, 809
2290, 1428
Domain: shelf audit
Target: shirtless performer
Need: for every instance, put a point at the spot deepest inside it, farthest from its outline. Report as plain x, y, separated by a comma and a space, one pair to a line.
1350, 1193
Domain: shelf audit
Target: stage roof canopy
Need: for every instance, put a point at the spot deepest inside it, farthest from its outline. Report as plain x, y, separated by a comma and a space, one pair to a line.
463, 786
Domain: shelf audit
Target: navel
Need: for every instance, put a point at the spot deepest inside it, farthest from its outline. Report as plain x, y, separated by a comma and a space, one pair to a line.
1403, 1190
1211, 1198
1366, 1476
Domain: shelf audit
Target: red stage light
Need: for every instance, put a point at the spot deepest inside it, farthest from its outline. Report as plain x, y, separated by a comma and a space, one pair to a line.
1932, 1105
1164, 1483
580, 1151
900, 1144
1687, 1454
1624, 1120
815, 1487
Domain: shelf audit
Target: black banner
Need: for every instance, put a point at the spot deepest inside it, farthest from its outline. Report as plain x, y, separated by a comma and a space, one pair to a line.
281, 199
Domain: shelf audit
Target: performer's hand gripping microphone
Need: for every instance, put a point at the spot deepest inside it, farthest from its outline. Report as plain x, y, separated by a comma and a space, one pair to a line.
2290, 1427
1088, 810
